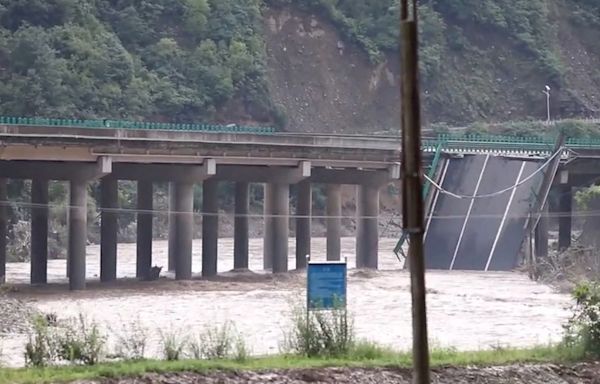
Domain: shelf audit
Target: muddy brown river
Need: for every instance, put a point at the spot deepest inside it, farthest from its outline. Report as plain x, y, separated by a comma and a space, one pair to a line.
467, 310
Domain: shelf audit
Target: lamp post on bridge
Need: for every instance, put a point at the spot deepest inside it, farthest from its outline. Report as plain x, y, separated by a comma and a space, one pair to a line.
547, 92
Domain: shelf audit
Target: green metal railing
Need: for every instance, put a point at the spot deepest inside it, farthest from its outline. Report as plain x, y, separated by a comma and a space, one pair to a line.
124, 124
504, 142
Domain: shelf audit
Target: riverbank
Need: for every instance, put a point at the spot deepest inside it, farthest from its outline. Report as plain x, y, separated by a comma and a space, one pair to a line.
548, 365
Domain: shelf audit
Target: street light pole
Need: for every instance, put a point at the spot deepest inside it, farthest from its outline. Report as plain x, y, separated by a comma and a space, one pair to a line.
547, 92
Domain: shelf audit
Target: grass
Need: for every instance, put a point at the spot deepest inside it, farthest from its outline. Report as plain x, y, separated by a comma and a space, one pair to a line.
364, 355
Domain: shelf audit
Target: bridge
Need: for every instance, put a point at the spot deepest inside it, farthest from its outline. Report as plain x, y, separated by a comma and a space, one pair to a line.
184, 155
81, 151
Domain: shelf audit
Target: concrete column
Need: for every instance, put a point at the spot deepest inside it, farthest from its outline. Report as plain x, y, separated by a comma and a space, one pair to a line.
77, 234
303, 211
210, 228
334, 221
183, 230
39, 231
108, 229
268, 226
279, 196
172, 226
240, 232
3, 229
541, 236
144, 229
367, 236
566, 217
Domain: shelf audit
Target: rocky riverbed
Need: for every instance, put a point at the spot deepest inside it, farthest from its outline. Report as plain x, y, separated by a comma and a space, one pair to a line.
588, 373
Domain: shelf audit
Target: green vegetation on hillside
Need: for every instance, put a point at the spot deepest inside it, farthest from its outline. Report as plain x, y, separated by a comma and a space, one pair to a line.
173, 60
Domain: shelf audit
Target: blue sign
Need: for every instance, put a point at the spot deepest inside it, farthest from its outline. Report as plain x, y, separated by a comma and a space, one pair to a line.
326, 285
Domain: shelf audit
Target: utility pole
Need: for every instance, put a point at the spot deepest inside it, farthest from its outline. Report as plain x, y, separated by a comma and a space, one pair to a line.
412, 197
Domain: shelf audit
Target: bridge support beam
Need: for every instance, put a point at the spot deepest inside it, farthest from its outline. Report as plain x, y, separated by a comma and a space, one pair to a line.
334, 221
240, 231
3, 229
144, 229
39, 231
367, 236
77, 234
565, 217
210, 228
181, 235
172, 247
303, 219
108, 229
277, 203
541, 236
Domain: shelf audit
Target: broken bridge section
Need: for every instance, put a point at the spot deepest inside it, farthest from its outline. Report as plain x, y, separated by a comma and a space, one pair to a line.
481, 233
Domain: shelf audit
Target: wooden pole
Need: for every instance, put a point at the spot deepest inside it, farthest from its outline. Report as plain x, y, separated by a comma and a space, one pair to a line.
412, 197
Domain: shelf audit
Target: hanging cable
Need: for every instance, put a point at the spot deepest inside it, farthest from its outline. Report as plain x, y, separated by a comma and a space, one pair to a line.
497, 193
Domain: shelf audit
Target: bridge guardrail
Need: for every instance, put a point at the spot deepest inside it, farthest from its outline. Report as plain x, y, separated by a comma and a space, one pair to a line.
124, 124
497, 143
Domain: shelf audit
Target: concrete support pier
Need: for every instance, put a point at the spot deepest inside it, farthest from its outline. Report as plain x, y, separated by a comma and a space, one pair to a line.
172, 226
210, 228
268, 226
39, 231
183, 229
3, 229
367, 231
303, 212
108, 229
77, 234
144, 229
334, 222
277, 200
240, 231
541, 236
565, 217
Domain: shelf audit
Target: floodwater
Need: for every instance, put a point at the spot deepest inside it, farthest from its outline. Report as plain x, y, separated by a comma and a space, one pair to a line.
467, 310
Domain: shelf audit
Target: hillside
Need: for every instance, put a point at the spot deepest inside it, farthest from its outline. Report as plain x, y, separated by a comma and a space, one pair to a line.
317, 65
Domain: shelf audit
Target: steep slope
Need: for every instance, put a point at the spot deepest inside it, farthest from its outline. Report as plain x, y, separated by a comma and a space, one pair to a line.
332, 69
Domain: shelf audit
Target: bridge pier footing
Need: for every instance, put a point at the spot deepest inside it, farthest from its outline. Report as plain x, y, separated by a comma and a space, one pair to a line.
144, 229
367, 231
108, 229
334, 221
565, 217
77, 234
181, 235
3, 229
303, 212
210, 228
240, 231
39, 231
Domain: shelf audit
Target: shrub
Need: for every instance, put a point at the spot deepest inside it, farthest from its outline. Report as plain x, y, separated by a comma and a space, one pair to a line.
219, 342
40, 349
81, 341
320, 333
583, 329
131, 341
172, 345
